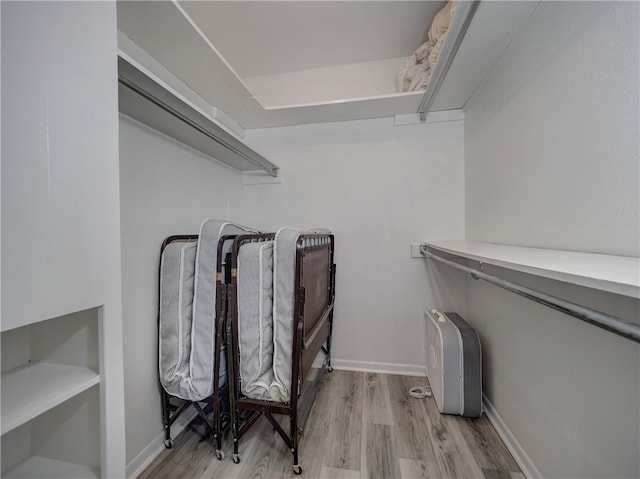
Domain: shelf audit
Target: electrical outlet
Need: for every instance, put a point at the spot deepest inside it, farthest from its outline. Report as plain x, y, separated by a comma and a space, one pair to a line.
415, 250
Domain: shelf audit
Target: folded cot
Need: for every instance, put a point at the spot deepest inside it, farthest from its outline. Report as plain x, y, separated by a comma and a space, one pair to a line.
280, 313
192, 361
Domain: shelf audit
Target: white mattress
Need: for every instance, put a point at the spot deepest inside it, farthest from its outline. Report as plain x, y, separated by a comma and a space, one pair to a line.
255, 318
266, 295
187, 313
284, 263
177, 273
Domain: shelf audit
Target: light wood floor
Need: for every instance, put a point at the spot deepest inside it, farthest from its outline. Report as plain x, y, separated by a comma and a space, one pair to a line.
362, 425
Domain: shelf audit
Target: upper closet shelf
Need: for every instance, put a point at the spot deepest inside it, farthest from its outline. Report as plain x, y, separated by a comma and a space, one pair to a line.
615, 274
267, 64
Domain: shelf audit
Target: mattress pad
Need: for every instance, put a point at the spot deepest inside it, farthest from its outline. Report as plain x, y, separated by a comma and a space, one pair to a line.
284, 288
187, 356
255, 318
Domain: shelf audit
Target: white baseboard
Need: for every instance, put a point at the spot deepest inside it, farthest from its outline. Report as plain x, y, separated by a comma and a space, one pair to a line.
522, 459
156, 446
375, 367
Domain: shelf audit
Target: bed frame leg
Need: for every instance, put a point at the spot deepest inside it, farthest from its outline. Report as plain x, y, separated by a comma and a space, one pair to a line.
235, 423
166, 420
217, 424
235, 457
235, 429
297, 469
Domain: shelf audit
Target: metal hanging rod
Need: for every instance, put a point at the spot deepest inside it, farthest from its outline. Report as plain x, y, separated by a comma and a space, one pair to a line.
148, 102
591, 316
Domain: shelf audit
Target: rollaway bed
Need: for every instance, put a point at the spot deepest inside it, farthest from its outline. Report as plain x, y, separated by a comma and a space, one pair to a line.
192, 361
281, 299
242, 317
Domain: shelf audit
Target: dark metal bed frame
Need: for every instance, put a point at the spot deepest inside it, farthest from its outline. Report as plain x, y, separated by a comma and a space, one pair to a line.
313, 321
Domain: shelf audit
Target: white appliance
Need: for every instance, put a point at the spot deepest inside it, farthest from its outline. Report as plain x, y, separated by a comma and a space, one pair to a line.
454, 364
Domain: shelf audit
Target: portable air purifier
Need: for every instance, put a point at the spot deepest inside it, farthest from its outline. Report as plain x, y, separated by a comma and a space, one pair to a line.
454, 364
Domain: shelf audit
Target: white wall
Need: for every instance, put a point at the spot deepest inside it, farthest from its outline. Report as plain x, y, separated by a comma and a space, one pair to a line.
60, 156
60, 202
552, 138
551, 155
165, 189
378, 188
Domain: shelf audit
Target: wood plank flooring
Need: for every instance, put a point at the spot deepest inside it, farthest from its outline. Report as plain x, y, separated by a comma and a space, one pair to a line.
362, 425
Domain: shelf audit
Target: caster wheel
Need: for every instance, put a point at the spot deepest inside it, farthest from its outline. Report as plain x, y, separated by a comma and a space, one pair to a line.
330, 369
168, 443
219, 454
297, 469
235, 458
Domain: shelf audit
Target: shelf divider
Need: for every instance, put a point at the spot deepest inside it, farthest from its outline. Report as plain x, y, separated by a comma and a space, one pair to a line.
32, 390
37, 467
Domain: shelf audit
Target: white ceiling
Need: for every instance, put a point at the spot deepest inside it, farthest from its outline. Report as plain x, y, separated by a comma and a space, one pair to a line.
267, 37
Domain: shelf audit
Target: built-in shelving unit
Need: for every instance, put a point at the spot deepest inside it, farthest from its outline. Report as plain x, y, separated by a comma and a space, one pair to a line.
31, 390
615, 274
46, 468
50, 398
152, 62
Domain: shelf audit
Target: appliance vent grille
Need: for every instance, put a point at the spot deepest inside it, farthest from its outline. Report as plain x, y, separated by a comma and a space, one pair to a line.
435, 373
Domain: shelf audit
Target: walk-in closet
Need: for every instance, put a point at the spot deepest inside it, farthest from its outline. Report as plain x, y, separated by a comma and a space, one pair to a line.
365, 172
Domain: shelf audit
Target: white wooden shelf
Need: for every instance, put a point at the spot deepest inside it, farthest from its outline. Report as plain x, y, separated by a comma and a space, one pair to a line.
32, 390
200, 66
329, 111
615, 274
44, 468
